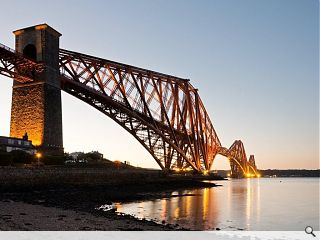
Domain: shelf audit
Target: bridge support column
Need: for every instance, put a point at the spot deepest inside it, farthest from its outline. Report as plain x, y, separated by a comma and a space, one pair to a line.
36, 106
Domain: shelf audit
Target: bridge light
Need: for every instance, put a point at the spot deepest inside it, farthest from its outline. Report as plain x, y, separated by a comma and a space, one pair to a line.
258, 175
228, 175
186, 169
248, 175
38, 156
205, 172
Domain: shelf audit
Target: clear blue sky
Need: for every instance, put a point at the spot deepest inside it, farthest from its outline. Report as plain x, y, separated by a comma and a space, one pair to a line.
255, 63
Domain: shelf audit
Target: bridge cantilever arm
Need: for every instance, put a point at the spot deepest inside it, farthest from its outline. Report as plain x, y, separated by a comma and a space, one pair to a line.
67, 83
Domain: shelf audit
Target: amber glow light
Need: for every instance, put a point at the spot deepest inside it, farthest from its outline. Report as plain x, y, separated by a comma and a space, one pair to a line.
38, 155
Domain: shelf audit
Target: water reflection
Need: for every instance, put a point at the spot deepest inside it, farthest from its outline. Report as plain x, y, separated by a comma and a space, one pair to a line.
258, 200
248, 201
237, 205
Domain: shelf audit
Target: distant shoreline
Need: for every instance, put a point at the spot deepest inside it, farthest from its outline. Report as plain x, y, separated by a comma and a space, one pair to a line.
291, 173
281, 173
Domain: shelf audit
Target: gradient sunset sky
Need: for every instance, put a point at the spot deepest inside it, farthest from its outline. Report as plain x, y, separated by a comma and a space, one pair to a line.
255, 63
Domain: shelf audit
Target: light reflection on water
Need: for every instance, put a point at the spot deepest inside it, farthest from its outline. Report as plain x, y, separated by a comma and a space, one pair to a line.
240, 204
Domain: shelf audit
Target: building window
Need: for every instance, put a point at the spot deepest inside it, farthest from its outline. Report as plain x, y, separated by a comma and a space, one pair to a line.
10, 141
19, 142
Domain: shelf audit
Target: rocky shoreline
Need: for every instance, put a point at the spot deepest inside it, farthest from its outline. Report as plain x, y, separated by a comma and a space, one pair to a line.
69, 205
20, 216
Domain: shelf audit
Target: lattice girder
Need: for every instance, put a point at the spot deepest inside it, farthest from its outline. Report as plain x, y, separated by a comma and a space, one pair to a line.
239, 164
167, 105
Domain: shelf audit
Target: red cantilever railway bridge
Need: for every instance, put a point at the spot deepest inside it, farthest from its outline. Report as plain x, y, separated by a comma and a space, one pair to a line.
164, 113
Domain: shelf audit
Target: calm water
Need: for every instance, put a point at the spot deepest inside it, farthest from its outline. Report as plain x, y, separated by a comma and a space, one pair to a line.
240, 204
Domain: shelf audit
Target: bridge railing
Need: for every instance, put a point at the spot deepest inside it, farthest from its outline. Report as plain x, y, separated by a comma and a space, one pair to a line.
7, 48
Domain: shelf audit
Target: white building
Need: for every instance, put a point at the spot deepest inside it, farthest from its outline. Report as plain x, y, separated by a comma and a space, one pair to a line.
8, 144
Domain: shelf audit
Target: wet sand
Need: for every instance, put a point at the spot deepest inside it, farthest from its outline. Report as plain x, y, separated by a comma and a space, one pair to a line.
23, 216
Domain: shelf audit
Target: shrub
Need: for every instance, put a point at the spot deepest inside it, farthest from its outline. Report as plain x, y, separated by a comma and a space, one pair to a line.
53, 160
91, 157
19, 156
5, 159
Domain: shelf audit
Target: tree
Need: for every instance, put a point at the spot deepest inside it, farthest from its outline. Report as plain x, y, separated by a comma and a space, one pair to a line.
90, 156
5, 159
19, 156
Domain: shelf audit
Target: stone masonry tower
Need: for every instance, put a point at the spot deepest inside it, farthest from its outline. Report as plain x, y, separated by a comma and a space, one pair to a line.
36, 106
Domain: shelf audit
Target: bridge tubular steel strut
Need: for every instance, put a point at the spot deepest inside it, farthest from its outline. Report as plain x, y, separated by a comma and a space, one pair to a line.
164, 113
17, 66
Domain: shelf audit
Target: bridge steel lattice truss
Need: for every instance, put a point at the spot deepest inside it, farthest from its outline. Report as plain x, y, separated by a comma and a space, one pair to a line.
164, 113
